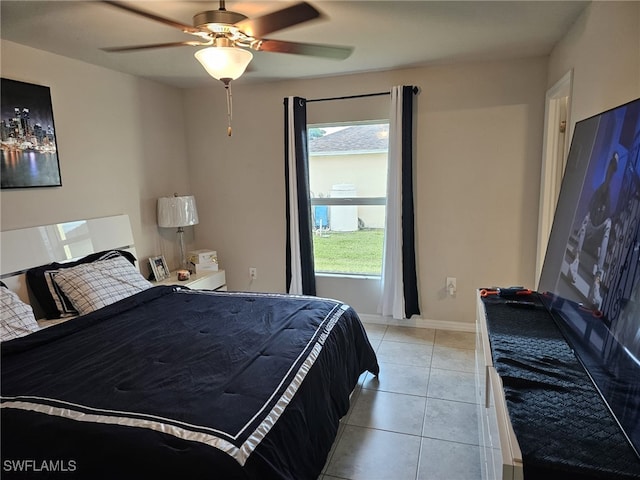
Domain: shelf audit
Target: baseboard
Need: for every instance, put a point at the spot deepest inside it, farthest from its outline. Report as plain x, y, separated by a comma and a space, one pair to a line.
418, 322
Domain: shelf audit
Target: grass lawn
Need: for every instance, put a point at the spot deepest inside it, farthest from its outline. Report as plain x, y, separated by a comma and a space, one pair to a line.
357, 252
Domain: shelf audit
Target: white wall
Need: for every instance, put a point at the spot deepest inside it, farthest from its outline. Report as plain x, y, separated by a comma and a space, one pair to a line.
121, 145
603, 49
477, 173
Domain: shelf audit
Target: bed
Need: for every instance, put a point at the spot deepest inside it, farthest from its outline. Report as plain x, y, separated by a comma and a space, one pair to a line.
173, 382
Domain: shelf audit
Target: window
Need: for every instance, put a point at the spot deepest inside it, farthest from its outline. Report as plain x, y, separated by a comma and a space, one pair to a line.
348, 184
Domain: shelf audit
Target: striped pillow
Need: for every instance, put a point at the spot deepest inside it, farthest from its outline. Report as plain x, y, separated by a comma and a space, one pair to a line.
94, 285
51, 300
16, 317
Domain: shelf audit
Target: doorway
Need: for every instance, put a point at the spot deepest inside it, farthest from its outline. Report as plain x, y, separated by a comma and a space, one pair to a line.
555, 147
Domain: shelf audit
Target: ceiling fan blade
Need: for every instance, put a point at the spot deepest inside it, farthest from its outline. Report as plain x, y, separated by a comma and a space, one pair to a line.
278, 20
131, 48
314, 50
151, 16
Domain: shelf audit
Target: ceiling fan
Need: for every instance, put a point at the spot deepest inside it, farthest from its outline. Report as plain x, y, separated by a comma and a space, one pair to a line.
224, 29
229, 36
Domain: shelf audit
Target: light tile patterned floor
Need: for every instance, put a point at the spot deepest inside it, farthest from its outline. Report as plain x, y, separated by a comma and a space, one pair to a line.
418, 420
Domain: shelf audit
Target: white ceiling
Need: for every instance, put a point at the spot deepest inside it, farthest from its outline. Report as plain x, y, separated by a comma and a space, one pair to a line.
385, 34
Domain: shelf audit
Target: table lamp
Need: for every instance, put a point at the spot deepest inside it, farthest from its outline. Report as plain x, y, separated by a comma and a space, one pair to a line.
178, 212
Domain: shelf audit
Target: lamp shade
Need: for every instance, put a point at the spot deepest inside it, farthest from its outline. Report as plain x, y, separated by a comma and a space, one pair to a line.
177, 211
224, 62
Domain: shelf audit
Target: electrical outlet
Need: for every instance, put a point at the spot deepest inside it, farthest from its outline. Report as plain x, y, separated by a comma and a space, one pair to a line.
253, 273
451, 286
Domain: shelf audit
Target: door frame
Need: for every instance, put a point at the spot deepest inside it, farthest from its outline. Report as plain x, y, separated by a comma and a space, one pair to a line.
555, 148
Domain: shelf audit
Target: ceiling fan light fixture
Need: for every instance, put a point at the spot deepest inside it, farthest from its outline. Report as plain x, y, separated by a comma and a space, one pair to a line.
224, 62
222, 29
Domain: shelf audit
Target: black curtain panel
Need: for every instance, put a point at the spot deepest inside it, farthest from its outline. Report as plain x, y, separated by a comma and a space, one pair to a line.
300, 274
409, 274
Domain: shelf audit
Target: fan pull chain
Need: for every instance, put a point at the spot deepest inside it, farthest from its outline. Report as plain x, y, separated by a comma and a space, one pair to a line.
227, 87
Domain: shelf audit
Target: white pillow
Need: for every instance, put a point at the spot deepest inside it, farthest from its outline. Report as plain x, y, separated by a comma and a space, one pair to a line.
91, 286
16, 317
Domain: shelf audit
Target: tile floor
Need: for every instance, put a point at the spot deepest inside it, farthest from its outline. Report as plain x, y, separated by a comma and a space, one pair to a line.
417, 420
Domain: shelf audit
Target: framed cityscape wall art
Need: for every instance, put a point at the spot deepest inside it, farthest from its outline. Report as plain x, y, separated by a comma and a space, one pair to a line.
28, 137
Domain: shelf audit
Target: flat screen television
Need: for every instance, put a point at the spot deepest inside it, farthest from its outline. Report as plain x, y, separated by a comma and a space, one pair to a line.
590, 280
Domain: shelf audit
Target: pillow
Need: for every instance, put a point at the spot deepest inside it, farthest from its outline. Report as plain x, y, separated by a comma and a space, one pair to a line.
16, 317
52, 301
91, 286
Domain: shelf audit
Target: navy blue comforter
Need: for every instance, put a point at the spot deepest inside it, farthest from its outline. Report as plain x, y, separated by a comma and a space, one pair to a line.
181, 383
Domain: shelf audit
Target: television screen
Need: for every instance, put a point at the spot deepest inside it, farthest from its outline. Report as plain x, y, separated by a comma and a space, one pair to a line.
590, 280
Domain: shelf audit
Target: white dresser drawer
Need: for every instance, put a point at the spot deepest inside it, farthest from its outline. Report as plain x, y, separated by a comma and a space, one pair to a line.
214, 280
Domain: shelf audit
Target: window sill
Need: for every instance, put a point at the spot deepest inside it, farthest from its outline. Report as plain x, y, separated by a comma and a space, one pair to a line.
351, 276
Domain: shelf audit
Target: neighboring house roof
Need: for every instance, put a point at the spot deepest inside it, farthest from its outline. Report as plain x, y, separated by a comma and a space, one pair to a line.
358, 138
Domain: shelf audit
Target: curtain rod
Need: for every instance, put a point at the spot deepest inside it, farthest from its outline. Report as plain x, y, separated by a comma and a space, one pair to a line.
349, 97
378, 94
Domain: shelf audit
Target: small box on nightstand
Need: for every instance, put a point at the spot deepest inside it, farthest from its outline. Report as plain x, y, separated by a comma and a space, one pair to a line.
204, 267
203, 261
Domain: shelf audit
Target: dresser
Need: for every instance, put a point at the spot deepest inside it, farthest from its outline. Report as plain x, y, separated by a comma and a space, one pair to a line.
499, 450
540, 415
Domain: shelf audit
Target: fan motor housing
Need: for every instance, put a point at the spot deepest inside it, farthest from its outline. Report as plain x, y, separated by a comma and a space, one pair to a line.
224, 17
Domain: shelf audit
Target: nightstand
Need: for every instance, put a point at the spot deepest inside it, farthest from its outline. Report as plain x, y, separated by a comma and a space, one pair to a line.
214, 280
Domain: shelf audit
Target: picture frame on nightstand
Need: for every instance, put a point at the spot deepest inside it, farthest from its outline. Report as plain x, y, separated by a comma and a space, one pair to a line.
159, 268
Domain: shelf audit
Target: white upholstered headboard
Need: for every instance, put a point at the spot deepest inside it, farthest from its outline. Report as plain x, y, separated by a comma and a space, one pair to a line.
26, 248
